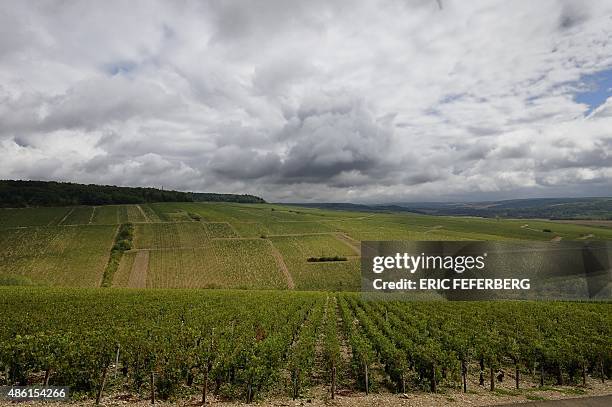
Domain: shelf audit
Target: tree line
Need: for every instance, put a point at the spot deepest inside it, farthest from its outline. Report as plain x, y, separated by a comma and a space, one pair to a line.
49, 193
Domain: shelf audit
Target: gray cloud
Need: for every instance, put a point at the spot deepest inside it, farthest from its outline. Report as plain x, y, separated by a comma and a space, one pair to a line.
238, 163
296, 101
332, 135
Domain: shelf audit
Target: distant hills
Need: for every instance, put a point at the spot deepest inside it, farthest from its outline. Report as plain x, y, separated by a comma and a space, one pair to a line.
545, 208
49, 193
549, 208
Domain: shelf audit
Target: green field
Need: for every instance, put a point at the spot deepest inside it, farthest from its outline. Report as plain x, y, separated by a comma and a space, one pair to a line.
290, 324
337, 276
79, 215
226, 245
219, 264
56, 255
115, 214
11, 218
249, 345
170, 235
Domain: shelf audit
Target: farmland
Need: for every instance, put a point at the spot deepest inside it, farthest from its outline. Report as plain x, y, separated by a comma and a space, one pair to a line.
55, 255
230, 263
227, 245
21, 217
249, 345
220, 300
335, 276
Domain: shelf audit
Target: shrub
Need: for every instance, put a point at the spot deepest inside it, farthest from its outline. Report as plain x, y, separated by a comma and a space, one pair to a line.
324, 258
123, 245
195, 216
126, 232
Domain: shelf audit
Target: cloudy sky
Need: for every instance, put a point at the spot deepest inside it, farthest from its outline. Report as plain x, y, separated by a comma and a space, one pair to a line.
370, 101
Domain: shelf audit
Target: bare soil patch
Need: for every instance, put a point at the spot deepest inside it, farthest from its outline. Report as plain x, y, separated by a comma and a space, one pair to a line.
278, 257
138, 276
318, 396
144, 215
92, 215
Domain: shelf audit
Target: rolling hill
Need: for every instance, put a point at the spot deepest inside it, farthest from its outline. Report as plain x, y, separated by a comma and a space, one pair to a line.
537, 208
15, 193
226, 245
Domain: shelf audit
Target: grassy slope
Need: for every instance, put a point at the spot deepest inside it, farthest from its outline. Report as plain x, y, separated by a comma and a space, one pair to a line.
57, 255
233, 245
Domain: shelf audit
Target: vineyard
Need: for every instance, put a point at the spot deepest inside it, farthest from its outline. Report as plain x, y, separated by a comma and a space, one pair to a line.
107, 339
221, 264
23, 217
226, 245
55, 255
114, 214
80, 215
337, 276
169, 235
249, 345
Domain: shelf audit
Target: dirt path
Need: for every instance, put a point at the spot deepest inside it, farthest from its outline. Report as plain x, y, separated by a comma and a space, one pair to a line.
318, 397
433, 229
556, 239
303, 234
140, 268
92, 215
235, 238
599, 401
526, 226
349, 241
590, 235
347, 219
281, 265
318, 372
596, 395
144, 215
66, 216
346, 353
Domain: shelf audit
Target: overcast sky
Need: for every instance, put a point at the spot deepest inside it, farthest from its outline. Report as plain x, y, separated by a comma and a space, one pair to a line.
370, 101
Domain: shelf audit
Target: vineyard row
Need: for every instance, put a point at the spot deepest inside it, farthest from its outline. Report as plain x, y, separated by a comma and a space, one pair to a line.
247, 344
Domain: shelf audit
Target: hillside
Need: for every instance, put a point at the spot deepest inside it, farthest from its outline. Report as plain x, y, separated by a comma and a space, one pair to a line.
225, 245
539, 208
15, 194
286, 334
543, 208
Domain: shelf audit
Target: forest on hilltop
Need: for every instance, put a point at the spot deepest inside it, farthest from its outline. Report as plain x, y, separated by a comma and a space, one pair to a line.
14, 194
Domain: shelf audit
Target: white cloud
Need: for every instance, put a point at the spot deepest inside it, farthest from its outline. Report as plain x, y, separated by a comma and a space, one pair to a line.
367, 101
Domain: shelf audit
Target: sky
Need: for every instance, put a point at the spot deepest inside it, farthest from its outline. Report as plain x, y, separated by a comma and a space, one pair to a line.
311, 101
